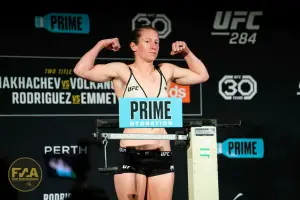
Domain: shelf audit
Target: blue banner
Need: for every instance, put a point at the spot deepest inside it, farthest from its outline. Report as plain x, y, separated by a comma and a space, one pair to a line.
150, 112
242, 148
64, 23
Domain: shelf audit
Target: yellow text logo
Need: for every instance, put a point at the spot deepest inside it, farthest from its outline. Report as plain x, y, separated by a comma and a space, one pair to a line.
25, 174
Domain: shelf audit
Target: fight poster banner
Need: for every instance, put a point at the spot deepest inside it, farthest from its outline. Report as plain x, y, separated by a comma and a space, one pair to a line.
47, 86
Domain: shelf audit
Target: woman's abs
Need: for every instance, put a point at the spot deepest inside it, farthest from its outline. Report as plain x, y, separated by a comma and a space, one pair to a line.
163, 145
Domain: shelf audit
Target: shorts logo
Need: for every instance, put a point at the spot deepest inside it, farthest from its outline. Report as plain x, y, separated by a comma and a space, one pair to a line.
172, 168
165, 154
126, 167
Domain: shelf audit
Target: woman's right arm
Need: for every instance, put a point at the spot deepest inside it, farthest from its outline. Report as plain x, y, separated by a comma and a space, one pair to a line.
87, 69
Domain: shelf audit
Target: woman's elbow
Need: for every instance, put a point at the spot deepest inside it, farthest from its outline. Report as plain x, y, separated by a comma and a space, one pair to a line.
77, 72
204, 78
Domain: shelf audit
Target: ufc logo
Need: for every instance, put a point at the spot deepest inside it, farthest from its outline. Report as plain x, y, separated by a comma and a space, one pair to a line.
165, 154
133, 88
125, 167
231, 20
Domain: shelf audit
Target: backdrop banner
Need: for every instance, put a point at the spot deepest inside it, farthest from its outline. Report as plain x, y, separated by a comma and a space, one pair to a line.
47, 113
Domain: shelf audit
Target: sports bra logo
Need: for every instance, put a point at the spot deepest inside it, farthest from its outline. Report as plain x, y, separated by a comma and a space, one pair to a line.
133, 88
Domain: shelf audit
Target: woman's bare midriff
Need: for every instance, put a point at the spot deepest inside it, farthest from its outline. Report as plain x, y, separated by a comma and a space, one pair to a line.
163, 145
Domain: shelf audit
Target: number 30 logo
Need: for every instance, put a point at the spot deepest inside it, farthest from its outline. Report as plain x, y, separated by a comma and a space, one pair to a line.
231, 87
153, 20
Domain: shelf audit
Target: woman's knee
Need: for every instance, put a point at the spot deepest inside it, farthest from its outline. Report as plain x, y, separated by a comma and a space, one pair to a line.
160, 187
130, 186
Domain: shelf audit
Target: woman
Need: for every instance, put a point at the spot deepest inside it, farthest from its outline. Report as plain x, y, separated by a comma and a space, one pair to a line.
147, 165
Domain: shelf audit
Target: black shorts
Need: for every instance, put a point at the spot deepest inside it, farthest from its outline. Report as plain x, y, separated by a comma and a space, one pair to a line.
146, 162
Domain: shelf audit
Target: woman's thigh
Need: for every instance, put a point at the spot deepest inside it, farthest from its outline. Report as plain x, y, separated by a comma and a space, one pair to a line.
130, 186
160, 187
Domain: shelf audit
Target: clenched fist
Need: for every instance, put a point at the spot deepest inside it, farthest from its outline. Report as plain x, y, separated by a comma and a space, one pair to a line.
111, 44
179, 47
